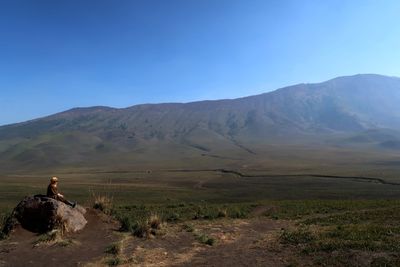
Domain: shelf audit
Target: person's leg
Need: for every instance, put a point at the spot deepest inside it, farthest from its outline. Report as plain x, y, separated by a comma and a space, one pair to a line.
72, 204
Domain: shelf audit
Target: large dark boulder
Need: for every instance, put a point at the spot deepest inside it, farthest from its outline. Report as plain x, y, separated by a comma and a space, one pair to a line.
41, 214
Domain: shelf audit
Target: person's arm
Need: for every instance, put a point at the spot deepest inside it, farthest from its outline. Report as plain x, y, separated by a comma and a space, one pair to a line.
55, 191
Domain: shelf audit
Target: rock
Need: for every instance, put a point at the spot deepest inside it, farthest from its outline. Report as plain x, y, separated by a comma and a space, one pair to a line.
41, 214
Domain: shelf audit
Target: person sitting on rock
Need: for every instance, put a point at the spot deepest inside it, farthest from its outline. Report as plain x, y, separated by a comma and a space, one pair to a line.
52, 192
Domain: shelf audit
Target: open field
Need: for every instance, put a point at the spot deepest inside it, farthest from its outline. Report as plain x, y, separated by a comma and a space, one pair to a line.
213, 186
272, 233
341, 210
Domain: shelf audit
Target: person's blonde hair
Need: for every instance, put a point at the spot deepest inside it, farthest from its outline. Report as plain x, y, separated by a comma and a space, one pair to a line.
53, 180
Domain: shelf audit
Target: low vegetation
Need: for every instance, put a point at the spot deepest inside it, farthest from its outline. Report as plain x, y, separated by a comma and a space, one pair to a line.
113, 261
205, 239
188, 227
7, 222
182, 212
320, 233
341, 233
2, 224
299, 209
147, 220
113, 249
103, 203
54, 236
335, 232
298, 236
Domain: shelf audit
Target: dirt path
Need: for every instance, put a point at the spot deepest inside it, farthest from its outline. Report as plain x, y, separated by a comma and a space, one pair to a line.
324, 176
79, 248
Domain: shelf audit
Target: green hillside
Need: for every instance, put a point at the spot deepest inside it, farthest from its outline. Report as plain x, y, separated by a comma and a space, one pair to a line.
354, 111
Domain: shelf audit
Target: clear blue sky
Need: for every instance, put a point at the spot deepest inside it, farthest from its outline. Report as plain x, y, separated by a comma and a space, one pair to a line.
55, 55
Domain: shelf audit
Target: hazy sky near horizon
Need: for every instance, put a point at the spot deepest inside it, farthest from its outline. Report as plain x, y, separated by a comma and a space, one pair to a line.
55, 55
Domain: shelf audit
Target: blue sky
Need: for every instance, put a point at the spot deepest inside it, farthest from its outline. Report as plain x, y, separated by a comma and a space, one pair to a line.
55, 55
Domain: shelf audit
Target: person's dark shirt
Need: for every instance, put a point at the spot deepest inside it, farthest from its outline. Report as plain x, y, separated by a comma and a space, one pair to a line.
52, 191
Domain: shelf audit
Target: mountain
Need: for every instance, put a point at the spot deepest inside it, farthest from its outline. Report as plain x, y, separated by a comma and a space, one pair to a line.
343, 111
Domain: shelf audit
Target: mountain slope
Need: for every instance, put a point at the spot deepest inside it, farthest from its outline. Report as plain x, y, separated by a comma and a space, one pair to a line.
344, 105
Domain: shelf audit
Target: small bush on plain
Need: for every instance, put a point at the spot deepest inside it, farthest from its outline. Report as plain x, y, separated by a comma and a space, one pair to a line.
205, 239
103, 203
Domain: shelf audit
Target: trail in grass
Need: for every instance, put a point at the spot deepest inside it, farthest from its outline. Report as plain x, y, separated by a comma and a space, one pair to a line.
242, 175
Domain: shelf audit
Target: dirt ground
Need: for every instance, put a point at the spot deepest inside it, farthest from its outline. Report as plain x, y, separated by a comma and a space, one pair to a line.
238, 242
20, 249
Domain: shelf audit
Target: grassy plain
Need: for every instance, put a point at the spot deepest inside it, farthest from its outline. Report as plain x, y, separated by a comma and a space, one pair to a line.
339, 202
210, 186
274, 173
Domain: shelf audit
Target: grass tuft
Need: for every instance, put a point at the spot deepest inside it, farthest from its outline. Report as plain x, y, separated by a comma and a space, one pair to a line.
103, 203
114, 249
205, 239
141, 229
115, 261
222, 213
143, 226
188, 227
155, 221
126, 224
47, 237
8, 223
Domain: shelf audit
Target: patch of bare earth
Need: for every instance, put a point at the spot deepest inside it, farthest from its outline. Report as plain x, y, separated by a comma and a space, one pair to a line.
75, 249
238, 242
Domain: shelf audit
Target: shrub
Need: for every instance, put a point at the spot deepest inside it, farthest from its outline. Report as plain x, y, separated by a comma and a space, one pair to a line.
205, 239
113, 249
155, 221
126, 224
141, 226
103, 203
141, 229
7, 225
222, 213
188, 228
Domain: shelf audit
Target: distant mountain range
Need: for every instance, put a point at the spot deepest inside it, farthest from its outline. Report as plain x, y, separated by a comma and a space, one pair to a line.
346, 111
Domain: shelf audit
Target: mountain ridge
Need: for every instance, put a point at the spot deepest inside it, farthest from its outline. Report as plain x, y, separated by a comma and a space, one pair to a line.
301, 113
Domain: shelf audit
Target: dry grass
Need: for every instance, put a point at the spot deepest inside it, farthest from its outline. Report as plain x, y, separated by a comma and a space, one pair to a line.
54, 237
143, 227
222, 213
114, 249
155, 221
48, 237
103, 203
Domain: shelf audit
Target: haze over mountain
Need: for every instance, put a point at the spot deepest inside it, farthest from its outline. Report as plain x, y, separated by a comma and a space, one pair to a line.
346, 111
